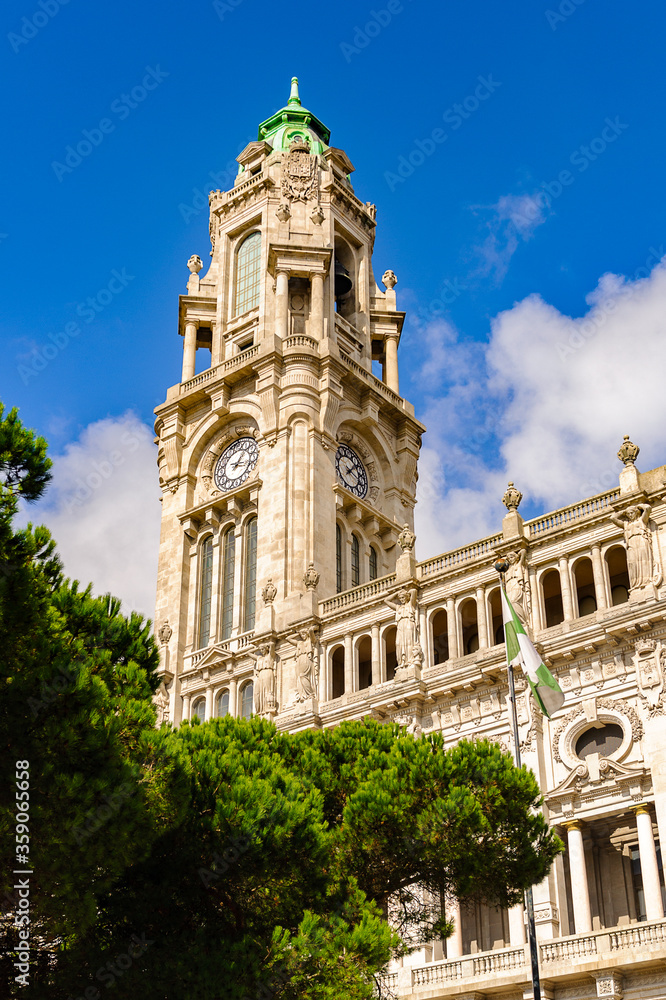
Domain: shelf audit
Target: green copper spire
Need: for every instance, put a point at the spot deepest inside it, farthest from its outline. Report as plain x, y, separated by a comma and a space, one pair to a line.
293, 96
294, 122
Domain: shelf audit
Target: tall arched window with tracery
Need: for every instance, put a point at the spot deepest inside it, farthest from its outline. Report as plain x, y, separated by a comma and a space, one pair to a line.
248, 274
338, 558
373, 563
250, 601
205, 591
228, 568
247, 696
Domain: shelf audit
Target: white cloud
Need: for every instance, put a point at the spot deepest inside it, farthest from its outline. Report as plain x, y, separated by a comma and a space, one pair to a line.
514, 219
547, 407
103, 510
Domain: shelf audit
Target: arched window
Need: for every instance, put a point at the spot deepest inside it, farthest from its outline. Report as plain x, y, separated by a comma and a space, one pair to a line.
355, 562
228, 566
247, 696
552, 598
372, 573
205, 591
199, 709
250, 601
585, 593
338, 558
470, 628
364, 652
390, 653
338, 672
440, 636
248, 274
222, 704
616, 561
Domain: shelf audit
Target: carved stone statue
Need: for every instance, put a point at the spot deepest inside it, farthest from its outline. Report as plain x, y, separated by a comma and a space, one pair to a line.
307, 664
406, 539
165, 632
517, 584
269, 593
264, 679
161, 702
635, 521
406, 618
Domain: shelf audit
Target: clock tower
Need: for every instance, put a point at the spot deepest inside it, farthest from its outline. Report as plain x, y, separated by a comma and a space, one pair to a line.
287, 456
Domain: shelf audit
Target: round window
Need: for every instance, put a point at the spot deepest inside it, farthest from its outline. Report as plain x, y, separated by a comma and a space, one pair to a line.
605, 740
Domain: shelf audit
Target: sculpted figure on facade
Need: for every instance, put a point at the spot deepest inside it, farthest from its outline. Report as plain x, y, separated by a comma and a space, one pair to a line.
517, 584
307, 664
264, 679
635, 522
161, 702
406, 620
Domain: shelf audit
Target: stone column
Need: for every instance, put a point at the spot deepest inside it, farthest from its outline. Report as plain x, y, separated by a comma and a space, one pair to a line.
424, 638
599, 577
217, 344
186, 706
454, 944
537, 620
209, 703
481, 617
451, 627
233, 696
282, 304
649, 869
349, 665
317, 306
578, 872
391, 347
517, 925
565, 585
378, 674
190, 350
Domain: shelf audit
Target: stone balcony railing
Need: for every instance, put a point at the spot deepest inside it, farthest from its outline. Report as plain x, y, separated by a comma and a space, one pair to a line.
558, 959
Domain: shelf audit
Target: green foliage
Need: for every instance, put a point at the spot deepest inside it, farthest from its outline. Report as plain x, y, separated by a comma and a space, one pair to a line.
225, 859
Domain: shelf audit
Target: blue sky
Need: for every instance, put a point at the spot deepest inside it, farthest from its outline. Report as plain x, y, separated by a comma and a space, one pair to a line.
499, 263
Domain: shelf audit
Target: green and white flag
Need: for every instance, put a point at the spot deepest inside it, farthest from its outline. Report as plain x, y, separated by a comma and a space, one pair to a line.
519, 650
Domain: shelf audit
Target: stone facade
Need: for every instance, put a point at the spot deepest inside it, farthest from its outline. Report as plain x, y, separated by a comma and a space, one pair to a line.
288, 583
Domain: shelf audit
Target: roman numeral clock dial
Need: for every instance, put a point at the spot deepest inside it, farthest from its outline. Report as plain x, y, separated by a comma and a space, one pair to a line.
350, 471
236, 463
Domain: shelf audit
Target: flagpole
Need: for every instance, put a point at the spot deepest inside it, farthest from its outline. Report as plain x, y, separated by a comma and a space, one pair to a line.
502, 566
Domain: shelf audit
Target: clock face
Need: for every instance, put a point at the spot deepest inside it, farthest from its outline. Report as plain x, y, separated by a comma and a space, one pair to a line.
350, 471
236, 463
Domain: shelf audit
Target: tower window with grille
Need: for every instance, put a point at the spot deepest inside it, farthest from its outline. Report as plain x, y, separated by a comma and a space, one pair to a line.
355, 562
373, 563
248, 274
228, 567
250, 601
205, 592
338, 558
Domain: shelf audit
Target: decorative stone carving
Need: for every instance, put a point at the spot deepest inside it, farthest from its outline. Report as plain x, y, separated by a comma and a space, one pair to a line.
269, 593
307, 664
648, 660
517, 585
628, 452
389, 279
579, 718
264, 679
300, 177
283, 212
372, 210
317, 216
512, 497
165, 632
406, 620
311, 577
406, 539
635, 522
609, 984
195, 263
